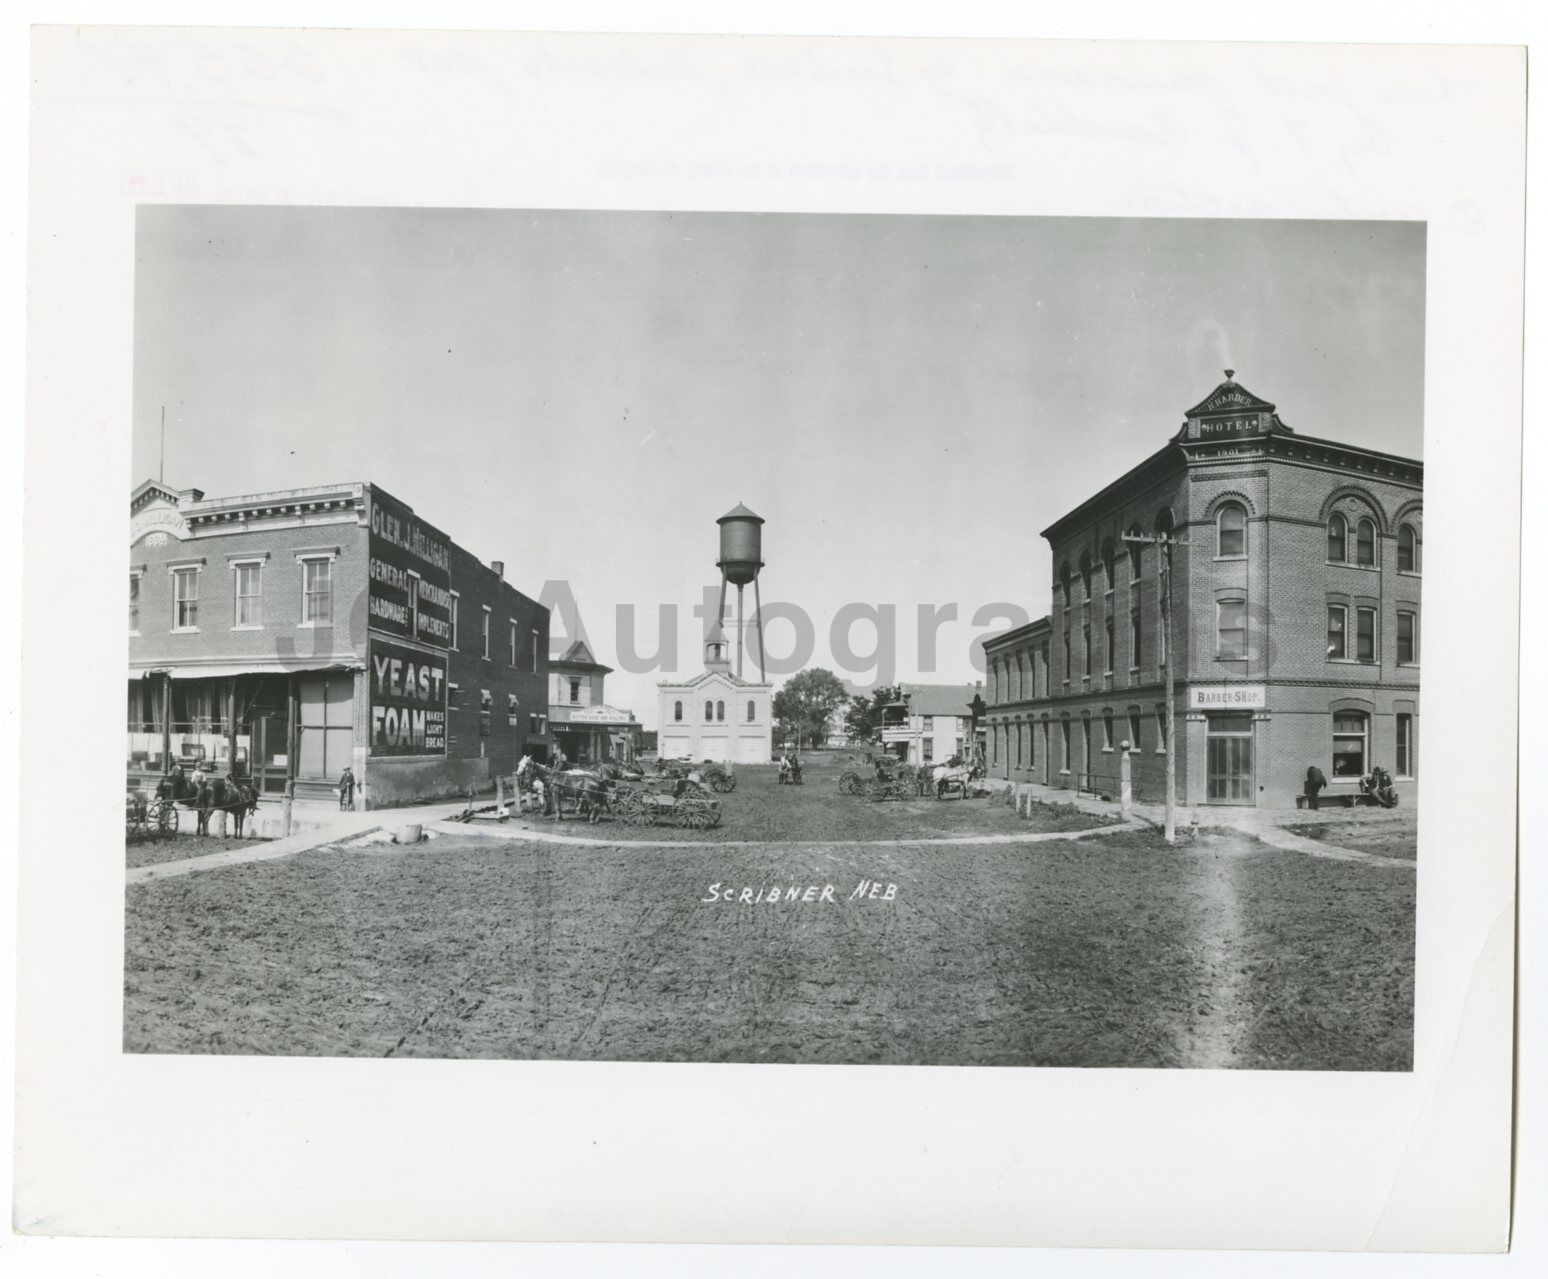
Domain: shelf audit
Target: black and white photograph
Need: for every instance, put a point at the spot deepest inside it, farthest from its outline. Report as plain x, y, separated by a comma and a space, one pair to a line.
885, 560
770, 639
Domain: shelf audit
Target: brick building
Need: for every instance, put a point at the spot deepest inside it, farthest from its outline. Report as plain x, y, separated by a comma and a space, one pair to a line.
286, 636
1296, 590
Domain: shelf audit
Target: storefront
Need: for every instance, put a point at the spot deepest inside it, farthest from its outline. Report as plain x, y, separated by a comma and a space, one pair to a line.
240, 724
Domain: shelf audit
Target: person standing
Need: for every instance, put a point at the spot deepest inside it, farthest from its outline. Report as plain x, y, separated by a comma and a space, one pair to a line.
1315, 782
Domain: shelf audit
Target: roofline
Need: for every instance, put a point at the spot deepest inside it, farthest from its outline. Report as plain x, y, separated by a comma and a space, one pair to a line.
1044, 623
1185, 448
1170, 447
560, 663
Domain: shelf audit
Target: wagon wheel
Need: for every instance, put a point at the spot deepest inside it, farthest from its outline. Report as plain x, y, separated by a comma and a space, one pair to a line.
846, 785
166, 819
730, 782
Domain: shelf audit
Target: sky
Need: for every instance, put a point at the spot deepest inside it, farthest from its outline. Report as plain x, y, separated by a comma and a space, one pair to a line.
907, 400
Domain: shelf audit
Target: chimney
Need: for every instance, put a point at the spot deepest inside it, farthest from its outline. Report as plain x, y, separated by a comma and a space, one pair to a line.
499, 568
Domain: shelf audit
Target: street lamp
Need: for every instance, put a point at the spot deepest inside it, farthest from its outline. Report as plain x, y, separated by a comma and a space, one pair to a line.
1166, 542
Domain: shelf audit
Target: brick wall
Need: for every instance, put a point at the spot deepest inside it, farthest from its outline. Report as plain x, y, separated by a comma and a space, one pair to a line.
472, 730
280, 633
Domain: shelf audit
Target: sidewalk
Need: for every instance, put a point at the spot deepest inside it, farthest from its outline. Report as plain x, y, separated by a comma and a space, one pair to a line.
313, 824
1265, 824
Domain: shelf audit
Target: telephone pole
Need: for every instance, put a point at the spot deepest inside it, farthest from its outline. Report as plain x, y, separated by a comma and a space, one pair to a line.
1166, 542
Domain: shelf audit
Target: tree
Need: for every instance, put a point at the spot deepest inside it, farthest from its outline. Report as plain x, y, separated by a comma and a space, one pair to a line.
863, 719
806, 701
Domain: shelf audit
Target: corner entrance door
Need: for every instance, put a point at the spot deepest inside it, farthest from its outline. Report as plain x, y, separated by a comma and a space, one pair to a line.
325, 730
1230, 776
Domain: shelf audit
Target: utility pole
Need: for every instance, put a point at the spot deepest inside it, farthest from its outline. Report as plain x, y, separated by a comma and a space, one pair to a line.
1166, 542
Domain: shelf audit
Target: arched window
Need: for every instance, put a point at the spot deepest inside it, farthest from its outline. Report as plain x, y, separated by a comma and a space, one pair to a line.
709, 711
1365, 542
1085, 577
1338, 539
1134, 556
677, 711
1109, 567
1408, 549
752, 711
1231, 532
720, 710
1351, 731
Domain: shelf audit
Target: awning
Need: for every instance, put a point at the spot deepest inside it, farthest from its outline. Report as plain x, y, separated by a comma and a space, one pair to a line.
228, 670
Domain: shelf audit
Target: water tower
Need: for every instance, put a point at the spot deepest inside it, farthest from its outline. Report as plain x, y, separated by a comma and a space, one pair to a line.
741, 558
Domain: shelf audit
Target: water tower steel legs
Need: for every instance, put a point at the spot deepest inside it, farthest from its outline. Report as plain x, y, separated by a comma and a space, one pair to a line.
741, 634
763, 677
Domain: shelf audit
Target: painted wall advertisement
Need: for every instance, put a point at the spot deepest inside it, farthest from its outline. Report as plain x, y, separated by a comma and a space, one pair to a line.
410, 574
408, 700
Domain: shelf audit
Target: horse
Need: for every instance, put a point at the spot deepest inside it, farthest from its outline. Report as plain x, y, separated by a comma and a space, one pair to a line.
211, 795
588, 789
946, 778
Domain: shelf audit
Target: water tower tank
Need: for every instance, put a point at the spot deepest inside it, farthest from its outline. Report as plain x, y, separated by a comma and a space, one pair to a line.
741, 545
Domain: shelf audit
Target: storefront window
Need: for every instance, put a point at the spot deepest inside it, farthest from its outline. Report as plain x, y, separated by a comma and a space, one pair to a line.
1350, 729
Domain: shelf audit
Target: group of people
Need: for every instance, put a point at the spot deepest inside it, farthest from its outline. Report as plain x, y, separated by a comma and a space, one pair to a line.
1376, 784
789, 769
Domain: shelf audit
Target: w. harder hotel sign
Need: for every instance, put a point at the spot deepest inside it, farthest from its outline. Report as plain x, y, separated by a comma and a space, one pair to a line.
410, 630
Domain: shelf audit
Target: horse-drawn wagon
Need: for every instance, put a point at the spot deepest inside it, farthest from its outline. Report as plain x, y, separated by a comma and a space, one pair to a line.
148, 815
668, 802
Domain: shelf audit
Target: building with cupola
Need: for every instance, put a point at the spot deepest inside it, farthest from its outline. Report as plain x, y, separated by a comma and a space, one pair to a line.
717, 714
1296, 563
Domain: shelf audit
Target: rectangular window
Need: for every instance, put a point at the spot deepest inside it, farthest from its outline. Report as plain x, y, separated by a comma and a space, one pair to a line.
1134, 639
1085, 651
1064, 741
1160, 730
134, 603
1349, 742
185, 596
484, 636
1407, 761
1338, 648
574, 690
1162, 633
413, 604
534, 654
1407, 638
1231, 629
1110, 646
249, 595
1107, 730
316, 592
1365, 634
513, 645
455, 601
1134, 730
1066, 657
